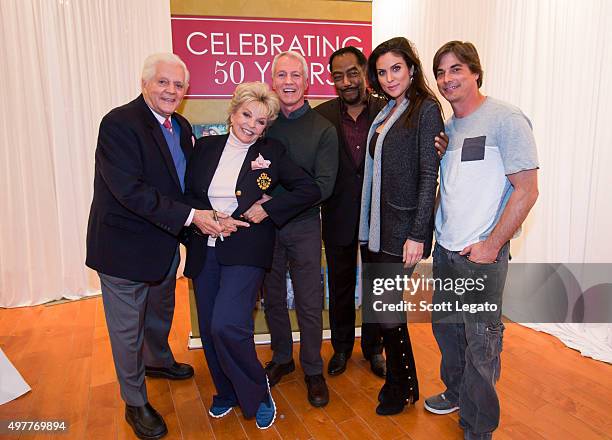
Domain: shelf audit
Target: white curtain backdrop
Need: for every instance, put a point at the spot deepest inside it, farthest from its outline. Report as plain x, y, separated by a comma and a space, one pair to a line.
64, 64
552, 58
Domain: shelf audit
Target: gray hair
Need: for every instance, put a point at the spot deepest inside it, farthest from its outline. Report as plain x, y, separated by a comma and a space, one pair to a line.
150, 64
298, 56
258, 92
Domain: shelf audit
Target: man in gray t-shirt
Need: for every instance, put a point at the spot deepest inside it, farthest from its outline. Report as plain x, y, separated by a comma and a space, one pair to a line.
488, 184
487, 147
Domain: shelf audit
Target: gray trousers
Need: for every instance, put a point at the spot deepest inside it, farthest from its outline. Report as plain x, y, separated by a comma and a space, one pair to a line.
139, 317
297, 246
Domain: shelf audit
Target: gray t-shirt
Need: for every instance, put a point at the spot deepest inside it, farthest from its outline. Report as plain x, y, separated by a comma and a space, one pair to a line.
494, 141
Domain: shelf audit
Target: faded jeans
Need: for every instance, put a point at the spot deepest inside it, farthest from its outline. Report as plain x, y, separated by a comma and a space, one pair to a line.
470, 343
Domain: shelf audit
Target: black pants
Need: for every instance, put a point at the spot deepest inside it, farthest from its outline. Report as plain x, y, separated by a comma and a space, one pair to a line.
342, 273
297, 247
401, 367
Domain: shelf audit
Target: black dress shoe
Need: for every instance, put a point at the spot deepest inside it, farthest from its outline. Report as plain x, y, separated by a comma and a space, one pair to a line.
276, 371
318, 394
378, 365
145, 421
337, 364
176, 371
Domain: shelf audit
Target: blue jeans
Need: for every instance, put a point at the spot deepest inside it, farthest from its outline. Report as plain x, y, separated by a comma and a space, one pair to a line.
470, 343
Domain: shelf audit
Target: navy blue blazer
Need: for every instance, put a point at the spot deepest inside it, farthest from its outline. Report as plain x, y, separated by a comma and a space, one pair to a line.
137, 211
252, 246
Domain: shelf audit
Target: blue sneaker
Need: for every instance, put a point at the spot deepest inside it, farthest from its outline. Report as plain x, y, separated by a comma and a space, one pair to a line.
266, 413
218, 411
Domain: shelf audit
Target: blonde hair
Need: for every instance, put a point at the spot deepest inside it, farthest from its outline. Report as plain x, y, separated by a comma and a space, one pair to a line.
259, 92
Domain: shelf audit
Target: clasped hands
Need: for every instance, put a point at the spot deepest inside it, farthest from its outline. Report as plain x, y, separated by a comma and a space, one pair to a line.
224, 224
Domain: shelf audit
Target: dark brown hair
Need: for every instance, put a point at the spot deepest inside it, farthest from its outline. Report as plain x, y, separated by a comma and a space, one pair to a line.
465, 52
418, 91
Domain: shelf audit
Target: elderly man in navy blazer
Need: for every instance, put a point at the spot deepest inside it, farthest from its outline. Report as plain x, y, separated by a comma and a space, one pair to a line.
132, 238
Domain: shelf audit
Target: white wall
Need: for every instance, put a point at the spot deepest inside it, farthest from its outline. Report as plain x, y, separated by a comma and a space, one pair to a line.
553, 60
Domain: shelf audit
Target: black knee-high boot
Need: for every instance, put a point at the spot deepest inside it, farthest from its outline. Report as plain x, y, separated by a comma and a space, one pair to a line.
401, 386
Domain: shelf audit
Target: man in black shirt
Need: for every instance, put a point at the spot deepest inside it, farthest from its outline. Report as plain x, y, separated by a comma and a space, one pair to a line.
352, 114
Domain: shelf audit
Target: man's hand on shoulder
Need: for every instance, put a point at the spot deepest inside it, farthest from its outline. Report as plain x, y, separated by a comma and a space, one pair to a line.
441, 144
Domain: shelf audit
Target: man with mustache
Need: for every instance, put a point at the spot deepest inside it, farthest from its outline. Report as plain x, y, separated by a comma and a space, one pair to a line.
312, 143
351, 113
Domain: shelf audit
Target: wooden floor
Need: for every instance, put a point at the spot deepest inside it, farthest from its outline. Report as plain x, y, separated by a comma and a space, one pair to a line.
547, 391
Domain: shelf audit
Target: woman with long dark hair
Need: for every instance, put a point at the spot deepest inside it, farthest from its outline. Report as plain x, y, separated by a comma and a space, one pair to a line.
399, 191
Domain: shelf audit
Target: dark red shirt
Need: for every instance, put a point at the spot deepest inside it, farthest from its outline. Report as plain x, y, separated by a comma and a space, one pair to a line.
355, 133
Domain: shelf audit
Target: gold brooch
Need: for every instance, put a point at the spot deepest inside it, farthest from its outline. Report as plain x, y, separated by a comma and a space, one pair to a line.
264, 181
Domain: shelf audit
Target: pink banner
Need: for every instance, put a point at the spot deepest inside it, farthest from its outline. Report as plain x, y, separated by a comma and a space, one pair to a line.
222, 52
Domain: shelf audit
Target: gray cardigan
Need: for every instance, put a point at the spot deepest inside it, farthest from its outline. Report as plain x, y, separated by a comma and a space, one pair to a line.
399, 185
